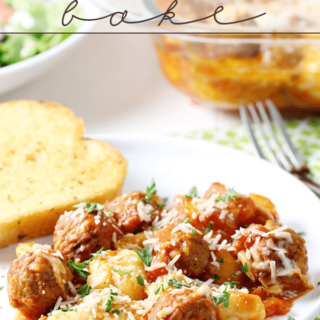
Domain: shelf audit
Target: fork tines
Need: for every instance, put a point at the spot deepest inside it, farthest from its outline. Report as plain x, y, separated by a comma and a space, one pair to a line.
278, 149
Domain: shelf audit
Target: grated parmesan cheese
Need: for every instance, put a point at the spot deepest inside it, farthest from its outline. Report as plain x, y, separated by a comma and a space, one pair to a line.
144, 211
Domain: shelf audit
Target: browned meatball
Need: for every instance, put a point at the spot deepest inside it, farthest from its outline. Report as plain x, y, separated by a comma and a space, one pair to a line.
35, 281
245, 210
193, 250
277, 259
185, 306
133, 212
220, 223
79, 234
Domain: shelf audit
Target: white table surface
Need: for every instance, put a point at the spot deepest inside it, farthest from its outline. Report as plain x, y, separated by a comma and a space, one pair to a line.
115, 84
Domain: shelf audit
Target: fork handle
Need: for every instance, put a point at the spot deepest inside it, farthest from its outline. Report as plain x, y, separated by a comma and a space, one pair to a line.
309, 183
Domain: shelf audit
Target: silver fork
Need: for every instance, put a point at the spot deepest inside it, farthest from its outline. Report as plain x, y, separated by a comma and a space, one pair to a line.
287, 157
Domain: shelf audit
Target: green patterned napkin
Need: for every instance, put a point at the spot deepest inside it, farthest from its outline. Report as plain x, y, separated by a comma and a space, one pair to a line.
305, 135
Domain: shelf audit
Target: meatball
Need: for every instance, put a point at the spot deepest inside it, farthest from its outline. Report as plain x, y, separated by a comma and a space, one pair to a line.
186, 306
275, 256
80, 233
204, 213
35, 282
133, 212
246, 210
171, 242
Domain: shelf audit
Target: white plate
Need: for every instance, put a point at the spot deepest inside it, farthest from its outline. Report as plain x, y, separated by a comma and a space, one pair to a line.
17, 74
178, 164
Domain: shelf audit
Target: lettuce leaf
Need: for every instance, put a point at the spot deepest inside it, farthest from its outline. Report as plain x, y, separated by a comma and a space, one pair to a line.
47, 17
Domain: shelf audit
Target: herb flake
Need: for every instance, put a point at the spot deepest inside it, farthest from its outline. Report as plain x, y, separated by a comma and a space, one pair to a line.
231, 284
227, 196
78, 267
140, 280
122, 272
208, 229
145, 255
244, 269
84, 290
150, 191
223, 298
90, 206
158, 289
177, 283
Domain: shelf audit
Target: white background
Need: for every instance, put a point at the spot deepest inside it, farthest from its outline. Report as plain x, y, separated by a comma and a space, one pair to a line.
115, 84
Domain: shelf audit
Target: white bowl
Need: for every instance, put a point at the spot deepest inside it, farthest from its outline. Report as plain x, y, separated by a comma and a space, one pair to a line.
17, 74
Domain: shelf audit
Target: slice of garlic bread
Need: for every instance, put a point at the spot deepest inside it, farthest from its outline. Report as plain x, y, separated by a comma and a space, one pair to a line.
46, 167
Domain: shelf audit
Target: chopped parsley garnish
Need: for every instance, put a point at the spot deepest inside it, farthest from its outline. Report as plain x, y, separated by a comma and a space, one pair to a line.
145, 255
247, 226
109, 304
280, 309
116, 311
233, 275
185, 221
122, 272
192, 193
207, 230
216, 277
78, 268
177, 283
110, 213
221, 260
140, 280
110, 299
158, 289
160, 206
301, 234
84, 290
100, 253
150, 191
244, 269
193, 231
113, 293
231, 284
68, 310
165, 199
227, 196
223, 298
1, 288
90, 206
290, 318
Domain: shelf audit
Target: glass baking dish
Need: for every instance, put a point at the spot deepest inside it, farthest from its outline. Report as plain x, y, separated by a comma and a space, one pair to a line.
233, 68
228, 71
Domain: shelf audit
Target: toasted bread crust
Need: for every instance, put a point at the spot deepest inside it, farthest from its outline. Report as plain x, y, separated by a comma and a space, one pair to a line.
47, 167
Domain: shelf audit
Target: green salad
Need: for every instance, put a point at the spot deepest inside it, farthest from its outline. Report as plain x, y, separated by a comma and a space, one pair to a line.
32, 16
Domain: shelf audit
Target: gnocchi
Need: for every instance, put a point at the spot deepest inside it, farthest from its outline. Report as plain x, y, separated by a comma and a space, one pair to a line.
223, 256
